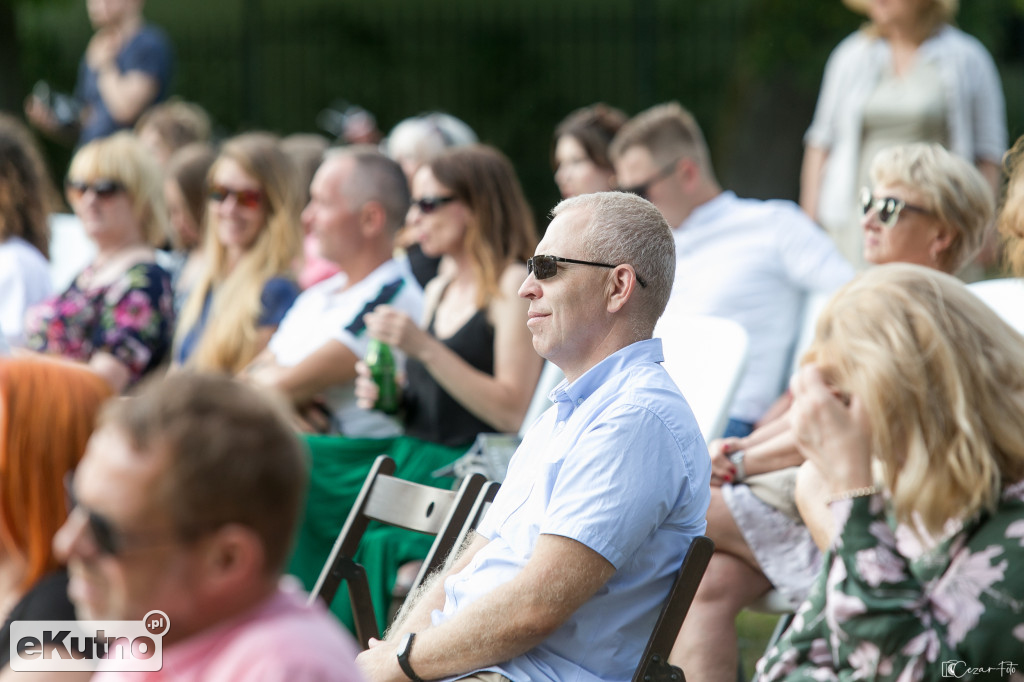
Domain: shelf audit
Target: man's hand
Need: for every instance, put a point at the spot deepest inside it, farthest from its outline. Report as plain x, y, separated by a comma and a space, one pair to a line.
379, 663
103, 49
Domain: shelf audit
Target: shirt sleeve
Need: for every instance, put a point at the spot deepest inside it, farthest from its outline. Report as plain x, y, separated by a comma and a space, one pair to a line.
603, 499
136, 323
278, 296
988, 109
809, 255
151, 54
822, 130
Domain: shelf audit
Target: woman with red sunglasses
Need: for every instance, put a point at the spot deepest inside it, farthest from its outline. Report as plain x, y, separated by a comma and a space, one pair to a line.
117, 314
253, 238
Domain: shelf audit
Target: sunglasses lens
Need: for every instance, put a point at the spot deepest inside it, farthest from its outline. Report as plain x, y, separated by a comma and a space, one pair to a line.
102, 533
250, 198
865, 201
544, 267
217, 193
106, 188
427, 205
889, 213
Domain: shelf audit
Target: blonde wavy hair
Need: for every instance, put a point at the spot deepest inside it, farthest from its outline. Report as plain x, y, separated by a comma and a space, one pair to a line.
121, 157
941, 378
1011, 217
229, 339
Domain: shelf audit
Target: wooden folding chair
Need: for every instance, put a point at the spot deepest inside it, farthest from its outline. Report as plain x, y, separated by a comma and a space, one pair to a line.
654, 665
395, 502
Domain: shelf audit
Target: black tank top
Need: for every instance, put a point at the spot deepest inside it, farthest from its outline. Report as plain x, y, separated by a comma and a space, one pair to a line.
432, 414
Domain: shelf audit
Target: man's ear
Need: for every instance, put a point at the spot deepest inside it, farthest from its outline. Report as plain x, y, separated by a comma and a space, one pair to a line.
621, 286
372, 219
232, 556
688, 173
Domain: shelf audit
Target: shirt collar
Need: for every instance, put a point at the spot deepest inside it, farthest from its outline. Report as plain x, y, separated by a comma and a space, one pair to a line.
568, 396
710, 210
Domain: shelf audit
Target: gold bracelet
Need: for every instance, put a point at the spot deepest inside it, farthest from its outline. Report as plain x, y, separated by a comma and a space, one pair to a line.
850, 494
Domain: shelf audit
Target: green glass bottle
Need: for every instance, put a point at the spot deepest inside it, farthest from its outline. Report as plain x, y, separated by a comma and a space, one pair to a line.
381, 362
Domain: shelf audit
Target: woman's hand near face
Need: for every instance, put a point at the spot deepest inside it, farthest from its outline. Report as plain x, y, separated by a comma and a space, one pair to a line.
398, 330
831, 431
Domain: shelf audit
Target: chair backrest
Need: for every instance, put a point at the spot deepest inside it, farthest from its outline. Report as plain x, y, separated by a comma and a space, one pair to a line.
70, 249
395, 502
1005, 296
706, 357
814, 303
654, 665
550, 376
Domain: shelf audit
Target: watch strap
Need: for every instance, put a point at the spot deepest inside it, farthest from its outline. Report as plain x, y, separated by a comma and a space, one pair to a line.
403, 657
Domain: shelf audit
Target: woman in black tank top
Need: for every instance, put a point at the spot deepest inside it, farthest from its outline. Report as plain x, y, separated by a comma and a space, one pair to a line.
472, 369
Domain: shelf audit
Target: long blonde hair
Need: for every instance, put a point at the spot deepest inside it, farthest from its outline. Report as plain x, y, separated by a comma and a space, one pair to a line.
941, 378
229, 338
1011, 217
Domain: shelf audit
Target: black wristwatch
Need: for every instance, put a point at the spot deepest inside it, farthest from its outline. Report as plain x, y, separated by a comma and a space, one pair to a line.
404, 647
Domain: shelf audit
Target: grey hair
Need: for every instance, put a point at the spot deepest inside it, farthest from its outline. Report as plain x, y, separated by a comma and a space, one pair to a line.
952, 187
623, 228
376, 178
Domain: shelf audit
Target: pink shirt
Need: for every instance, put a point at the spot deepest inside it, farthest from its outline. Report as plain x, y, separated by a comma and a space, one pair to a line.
281, 640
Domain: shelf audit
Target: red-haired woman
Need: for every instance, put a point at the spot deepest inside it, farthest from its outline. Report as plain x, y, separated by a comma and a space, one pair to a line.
43, 433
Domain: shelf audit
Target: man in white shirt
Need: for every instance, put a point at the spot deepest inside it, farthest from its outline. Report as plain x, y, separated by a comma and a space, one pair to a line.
359, 199
746, 260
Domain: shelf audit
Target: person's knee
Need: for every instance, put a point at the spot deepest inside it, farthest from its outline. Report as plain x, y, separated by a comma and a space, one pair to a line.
722, 587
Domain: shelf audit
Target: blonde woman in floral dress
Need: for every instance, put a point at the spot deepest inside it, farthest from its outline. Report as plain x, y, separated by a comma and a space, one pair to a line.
911, 408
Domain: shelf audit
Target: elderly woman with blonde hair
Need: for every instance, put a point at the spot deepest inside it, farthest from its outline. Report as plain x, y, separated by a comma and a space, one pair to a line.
926, 206
117, 315
907, 76
911, 406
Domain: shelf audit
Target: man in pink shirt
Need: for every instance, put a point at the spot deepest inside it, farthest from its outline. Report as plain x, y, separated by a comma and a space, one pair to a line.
186, 502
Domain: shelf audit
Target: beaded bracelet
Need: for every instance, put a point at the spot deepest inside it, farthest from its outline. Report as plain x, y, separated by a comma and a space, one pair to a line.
850, 494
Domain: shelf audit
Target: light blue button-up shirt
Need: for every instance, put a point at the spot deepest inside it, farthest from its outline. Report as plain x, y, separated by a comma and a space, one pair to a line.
618, 463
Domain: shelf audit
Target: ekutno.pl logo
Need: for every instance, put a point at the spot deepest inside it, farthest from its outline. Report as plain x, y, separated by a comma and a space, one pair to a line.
58, 645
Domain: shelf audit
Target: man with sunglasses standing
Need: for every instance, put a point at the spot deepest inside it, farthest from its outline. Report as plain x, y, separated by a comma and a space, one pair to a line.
186, 501
742, 259
359, 199
567, 572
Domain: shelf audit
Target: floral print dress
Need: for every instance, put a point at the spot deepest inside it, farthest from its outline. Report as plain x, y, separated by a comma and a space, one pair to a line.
131, 319
887, 608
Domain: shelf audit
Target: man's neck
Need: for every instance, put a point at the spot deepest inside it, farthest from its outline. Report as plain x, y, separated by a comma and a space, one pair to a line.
363, 265
707, 191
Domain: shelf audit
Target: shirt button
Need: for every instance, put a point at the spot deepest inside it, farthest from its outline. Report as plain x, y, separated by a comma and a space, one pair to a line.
579, 401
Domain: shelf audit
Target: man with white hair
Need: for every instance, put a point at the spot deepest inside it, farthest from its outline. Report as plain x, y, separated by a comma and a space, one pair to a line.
568, 571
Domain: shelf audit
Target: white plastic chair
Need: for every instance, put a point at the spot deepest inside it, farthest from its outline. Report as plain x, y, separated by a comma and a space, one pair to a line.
70, 249
706, 357
1005, 296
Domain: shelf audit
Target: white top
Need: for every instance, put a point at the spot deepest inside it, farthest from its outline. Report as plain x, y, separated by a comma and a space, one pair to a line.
330, 311
974, 97
754, 262
24, 281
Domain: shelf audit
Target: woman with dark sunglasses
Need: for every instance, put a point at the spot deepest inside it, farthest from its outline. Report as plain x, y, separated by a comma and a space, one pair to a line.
471, 367
908, 75
43, 434
117, 314
253, 238
926, 206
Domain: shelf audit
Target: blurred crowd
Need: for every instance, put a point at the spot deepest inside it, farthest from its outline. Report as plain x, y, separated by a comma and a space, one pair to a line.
230, 288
